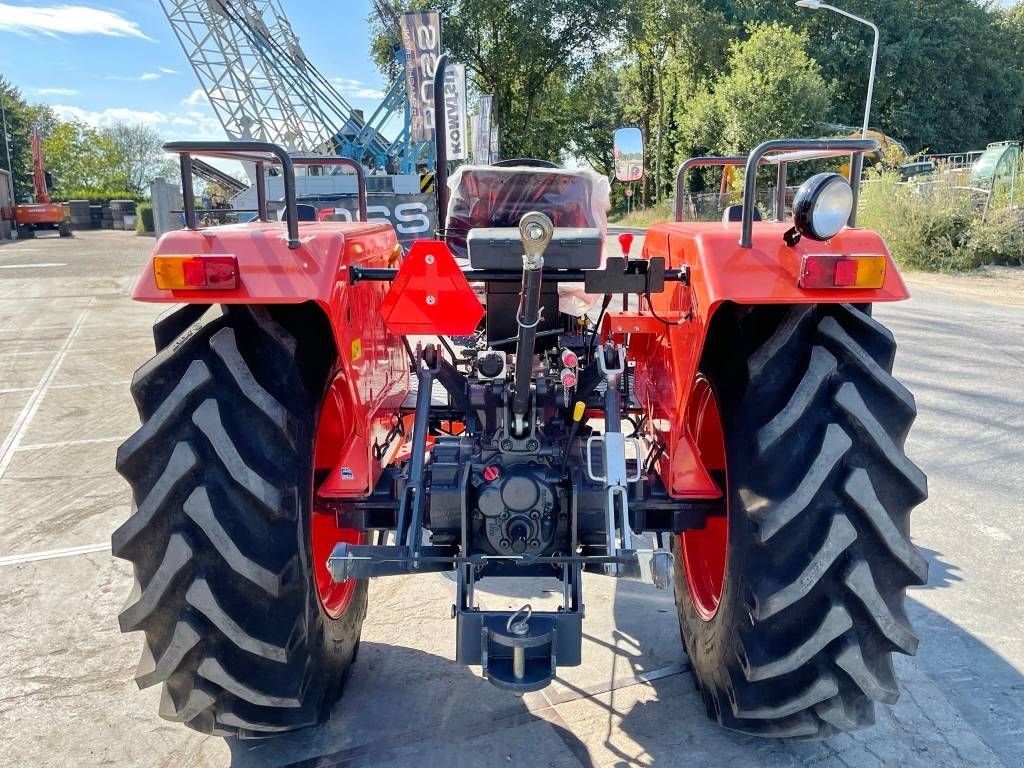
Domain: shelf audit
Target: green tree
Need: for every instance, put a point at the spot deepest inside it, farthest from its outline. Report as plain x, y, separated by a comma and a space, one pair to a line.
79, 157
137, 153
772, 88
21, 117
597, 108
949, 71
530, 54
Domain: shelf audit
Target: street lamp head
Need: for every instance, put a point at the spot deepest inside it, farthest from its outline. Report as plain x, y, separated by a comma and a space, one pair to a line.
811, 4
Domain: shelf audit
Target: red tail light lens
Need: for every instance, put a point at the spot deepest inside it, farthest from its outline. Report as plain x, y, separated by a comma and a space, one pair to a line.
195, 273
828, 270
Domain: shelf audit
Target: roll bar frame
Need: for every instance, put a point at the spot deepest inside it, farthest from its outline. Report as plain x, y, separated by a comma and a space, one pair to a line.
260, 153
778, 152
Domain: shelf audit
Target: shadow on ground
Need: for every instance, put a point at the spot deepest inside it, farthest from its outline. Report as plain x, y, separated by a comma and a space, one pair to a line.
961, 705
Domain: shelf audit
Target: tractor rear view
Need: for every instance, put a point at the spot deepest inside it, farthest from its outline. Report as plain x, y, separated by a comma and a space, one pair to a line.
717, 416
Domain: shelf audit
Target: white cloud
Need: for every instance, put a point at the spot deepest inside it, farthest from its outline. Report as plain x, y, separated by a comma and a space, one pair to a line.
144, 77
196, 98
57, 20
191, 124
54, 91
196, 125
168, 71
356, 89
108, 116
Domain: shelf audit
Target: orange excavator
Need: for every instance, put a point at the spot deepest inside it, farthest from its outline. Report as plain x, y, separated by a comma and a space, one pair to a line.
41, 214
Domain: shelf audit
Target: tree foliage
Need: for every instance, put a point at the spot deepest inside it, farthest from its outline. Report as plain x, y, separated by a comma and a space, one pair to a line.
21, 117
722, 75
82, 160
138, 155
80, 157
530, 54
771, 88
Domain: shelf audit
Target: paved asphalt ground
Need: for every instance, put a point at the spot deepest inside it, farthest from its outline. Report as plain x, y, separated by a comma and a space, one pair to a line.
69, 342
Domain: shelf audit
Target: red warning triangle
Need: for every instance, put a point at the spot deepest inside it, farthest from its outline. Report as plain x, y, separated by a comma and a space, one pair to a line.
430, 295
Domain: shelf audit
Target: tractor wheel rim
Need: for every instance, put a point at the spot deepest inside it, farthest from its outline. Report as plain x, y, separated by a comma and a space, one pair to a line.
705, 551
325, 533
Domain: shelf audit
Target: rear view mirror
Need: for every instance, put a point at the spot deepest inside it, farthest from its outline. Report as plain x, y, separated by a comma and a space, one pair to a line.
629, 154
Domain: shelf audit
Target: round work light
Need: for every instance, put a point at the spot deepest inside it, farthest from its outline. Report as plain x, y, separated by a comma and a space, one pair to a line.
822, 206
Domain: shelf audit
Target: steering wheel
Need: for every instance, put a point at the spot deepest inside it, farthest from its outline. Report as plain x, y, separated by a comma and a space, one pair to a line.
527, 162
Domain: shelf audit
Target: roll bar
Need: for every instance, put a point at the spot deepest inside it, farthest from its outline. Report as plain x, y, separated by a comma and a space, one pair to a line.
778, 152
440, 142
260, 153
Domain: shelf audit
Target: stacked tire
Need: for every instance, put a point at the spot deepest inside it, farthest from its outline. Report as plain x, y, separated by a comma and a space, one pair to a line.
128, 212
81, 216
117, 213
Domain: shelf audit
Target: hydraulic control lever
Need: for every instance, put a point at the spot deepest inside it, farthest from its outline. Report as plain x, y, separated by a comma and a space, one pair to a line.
646, 564
535, 231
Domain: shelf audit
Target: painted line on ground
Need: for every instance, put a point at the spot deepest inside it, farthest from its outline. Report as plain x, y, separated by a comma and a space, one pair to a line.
28, 353
40, 265
53, 554
91, 385
24, 418
69, 443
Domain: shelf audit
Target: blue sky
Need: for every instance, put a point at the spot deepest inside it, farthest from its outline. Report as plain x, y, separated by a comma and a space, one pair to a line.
119, 60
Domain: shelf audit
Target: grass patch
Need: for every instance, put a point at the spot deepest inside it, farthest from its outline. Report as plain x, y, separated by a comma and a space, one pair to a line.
937, 226
644, 217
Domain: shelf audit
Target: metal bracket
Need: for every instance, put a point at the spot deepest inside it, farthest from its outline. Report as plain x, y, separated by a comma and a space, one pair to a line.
613, 445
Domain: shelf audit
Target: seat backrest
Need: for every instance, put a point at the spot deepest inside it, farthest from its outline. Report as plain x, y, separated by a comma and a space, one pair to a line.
735, 213
499, 196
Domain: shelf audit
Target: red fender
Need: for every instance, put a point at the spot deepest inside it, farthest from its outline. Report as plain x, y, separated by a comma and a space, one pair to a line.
720, 271
372, 378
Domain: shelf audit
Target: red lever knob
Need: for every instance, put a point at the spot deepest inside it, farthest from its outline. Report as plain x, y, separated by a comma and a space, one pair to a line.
626, 243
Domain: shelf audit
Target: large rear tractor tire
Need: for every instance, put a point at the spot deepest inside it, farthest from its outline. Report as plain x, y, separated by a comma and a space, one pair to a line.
791, 605
220, 539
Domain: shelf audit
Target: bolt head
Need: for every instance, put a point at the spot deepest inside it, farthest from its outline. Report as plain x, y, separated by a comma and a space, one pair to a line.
535, 231
431, 300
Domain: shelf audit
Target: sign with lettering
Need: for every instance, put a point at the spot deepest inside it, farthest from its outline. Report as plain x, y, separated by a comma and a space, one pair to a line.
455, 111
421, 41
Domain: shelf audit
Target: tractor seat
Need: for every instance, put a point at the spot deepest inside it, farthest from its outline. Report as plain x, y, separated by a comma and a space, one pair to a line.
498, 196
735, 213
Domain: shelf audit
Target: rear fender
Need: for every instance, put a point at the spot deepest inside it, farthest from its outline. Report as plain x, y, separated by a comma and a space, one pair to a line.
371, 378
721, 272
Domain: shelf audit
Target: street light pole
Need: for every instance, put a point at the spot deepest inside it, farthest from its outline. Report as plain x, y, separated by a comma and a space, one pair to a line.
857, 161
7, 139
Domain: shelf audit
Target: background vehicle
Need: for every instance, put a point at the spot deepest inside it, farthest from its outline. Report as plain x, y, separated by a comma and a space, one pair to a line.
730, 426
41, 214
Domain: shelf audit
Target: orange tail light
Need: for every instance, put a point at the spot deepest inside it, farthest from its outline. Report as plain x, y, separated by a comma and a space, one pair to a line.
827, 270
195, 273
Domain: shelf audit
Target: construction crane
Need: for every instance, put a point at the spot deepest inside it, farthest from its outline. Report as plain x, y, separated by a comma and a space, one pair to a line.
262, 86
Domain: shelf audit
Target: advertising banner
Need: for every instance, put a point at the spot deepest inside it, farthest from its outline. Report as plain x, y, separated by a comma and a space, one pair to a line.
482, 137
413, 216
421, 41
455, 111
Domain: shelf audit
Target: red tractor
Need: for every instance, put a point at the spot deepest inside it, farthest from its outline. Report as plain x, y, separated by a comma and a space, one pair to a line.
729, 426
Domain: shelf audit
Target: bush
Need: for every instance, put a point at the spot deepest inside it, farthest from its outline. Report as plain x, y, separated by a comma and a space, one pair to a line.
144, 218
936, 226
102, 196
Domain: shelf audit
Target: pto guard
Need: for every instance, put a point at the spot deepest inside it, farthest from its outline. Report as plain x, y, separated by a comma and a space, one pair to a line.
430, 295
